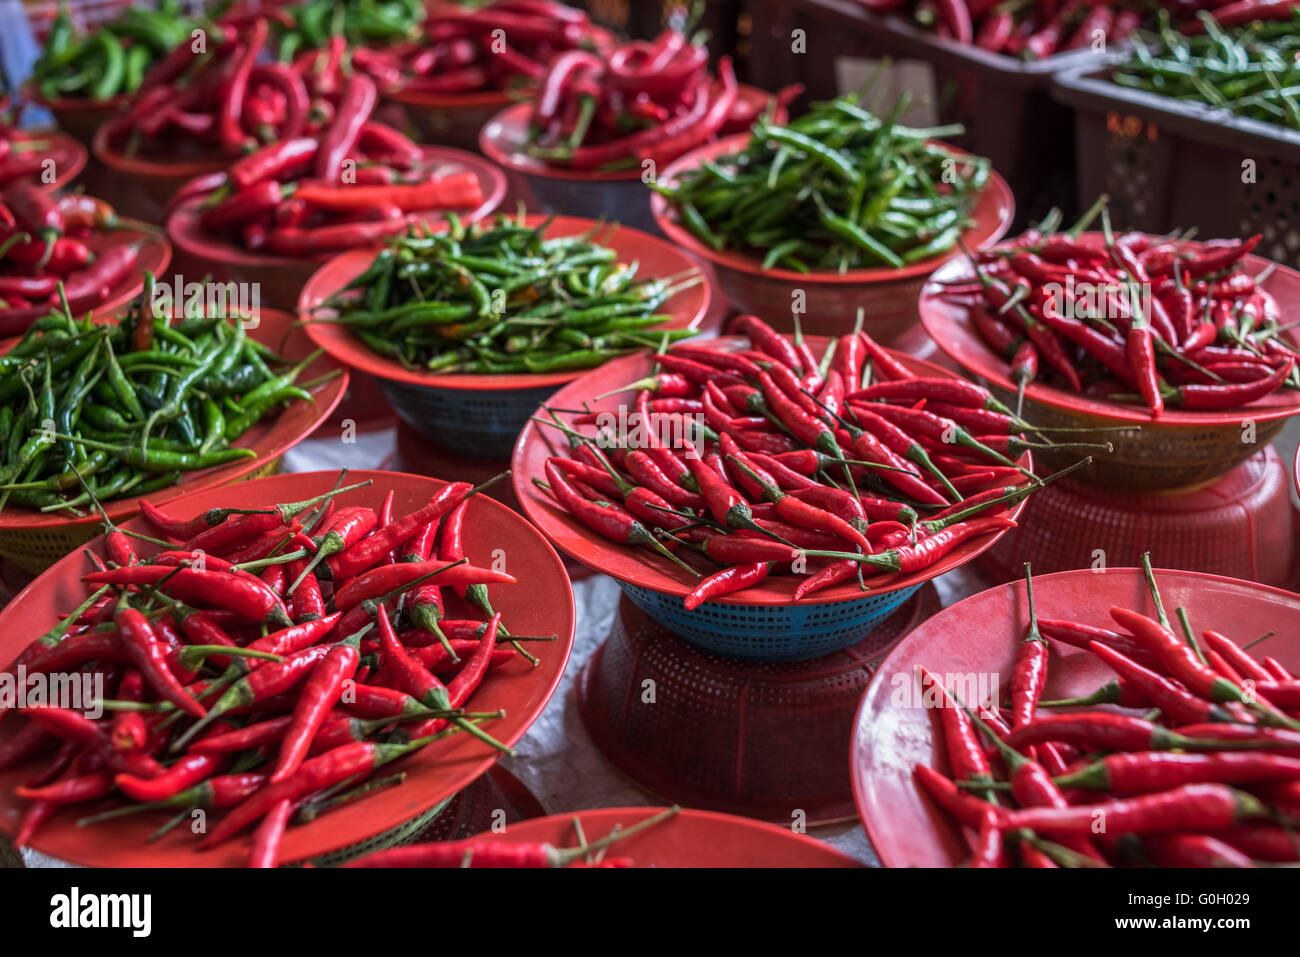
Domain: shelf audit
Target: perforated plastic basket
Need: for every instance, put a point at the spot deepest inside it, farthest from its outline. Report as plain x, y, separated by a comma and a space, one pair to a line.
479, 424
1238, 526
767, 632
1168, 164
763, 739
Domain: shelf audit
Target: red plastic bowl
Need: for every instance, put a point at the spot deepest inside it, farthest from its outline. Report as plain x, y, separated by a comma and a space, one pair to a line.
283, 277
688, 839
977, 638
657, 258
451, 119
80, 117
35, 540
888, 296
143, 187
155, 254
634, 565
1178, 450
619, 196
541, 603
69, 157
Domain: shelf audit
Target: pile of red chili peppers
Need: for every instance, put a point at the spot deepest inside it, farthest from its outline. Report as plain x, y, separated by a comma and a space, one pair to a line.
1134, 317
354, 184
1040, 28
225, 98
836, 468
642, 100
503, 45
1210, 777
44, 245
226, 653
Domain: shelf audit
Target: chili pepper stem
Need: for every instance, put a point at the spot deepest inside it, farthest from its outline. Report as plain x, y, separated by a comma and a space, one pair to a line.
565, 855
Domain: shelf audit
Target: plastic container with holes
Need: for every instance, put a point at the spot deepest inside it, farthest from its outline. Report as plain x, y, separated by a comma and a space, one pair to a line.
754, 738
1238, 526
1004, 103
1169, 164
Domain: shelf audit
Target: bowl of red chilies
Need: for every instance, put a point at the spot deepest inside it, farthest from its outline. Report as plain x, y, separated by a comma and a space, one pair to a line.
601, 122
325, 631
1081, 778
33, 157
274, 216
460, 75
623, 837
1185, 341
765, 456
74, 240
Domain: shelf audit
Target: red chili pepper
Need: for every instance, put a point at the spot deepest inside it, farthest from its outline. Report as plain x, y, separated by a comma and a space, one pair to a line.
231, 101
1147, 771
315, 700
359, 96
149, 655
1029, 673
1103, 729
1170, 697
371, 550
966, 808
1193, 807
244, 595
182, 775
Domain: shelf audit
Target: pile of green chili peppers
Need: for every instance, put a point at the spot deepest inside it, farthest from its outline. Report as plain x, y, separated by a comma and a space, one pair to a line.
1251, 71
839, 188
362, 22
128, 407
111, 60
502, 299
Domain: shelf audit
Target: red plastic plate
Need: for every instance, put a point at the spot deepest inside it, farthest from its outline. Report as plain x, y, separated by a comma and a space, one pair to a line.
503, 139
688, 839
636, 566
155, 255
977, 638
270, 438
948, 324
657, 258
69, 157
183, 223
993, 213
541, 603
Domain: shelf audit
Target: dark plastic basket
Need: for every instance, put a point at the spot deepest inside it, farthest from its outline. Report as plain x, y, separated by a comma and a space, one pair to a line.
1171, 164
1004, 103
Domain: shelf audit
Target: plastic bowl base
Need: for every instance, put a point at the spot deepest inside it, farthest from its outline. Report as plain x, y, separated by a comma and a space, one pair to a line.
1239, 525
766, 740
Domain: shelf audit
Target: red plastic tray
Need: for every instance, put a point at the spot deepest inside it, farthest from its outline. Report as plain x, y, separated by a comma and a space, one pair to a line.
948, 324
69, 157
657, 258
155, 255
688, 839
540, 603
635, 567
270, 438
978, 637
993, 214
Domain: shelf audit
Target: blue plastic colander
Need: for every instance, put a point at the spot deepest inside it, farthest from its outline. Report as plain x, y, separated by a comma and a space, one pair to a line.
478, 423
791, 632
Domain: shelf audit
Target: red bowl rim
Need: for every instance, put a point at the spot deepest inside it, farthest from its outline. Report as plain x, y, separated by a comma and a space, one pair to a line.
65, 142
106, 154
183, 227
557, 566
491, 140
352, 353
995, 190
451, 101
326, 401
599, 821
595, 552
989, 367
76, 104
870, 823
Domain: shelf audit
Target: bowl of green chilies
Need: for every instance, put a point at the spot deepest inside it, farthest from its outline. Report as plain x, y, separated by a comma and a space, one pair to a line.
468, 330
838, 210
142, 407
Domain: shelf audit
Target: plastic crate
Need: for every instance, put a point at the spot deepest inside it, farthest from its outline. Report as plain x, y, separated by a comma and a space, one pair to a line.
1004, 103
1170, 164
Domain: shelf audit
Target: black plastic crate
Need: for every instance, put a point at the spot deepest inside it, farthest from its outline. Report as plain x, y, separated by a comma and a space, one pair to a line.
1173, 164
